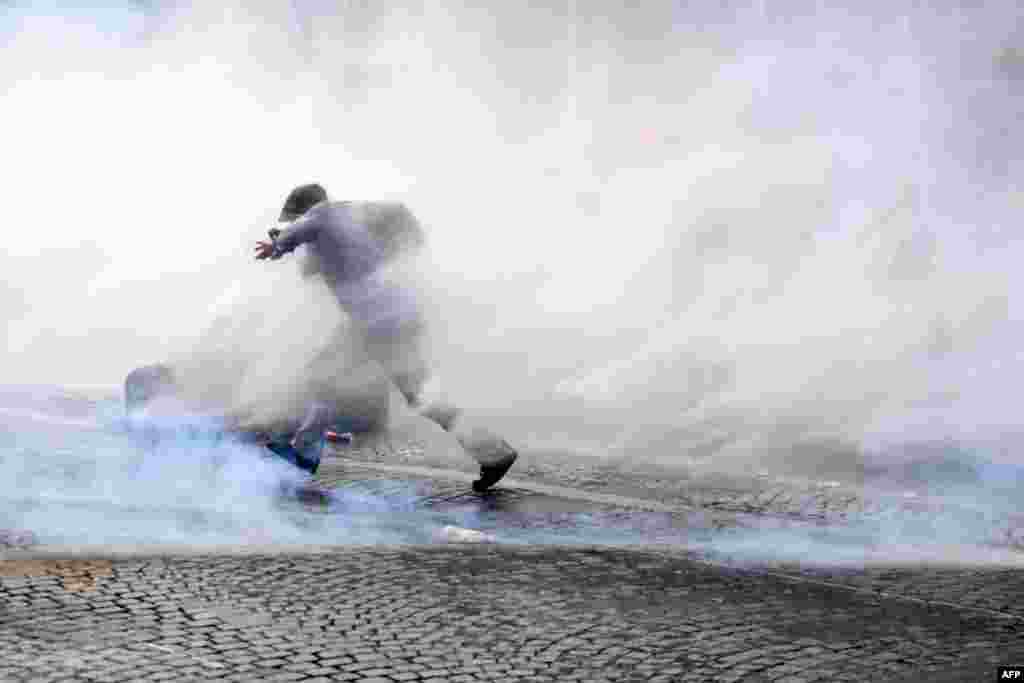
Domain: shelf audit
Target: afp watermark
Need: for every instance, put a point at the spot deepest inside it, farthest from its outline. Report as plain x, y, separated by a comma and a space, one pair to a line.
1010, 673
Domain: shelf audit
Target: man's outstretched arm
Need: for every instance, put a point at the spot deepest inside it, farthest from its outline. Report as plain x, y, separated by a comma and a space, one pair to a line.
301, 231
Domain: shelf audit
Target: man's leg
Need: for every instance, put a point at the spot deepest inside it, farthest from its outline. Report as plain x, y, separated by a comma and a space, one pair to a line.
400, 351
399, 348
410, 384
306, 457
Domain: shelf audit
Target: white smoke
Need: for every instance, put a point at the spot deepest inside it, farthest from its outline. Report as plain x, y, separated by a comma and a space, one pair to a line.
657, 231
88, 482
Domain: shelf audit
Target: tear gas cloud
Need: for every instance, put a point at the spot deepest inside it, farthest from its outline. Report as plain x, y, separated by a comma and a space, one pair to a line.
663, 231
91, 483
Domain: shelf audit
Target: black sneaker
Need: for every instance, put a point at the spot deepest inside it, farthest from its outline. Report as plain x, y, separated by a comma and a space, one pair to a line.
491, 475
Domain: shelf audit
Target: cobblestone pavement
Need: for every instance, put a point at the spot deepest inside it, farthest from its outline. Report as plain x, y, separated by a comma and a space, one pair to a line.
470, 613
712, 491
995, 590
671, 487
508, 612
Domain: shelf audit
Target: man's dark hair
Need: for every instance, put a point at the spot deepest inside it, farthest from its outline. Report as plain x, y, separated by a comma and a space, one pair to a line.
302, 199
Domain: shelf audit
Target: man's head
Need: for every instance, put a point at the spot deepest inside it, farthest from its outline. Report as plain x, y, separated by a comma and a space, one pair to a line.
300, 200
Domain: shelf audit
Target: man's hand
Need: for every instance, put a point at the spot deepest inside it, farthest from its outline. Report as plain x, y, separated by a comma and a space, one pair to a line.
264, 250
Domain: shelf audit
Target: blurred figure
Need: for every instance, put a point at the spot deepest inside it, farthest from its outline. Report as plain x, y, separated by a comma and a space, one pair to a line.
348, 244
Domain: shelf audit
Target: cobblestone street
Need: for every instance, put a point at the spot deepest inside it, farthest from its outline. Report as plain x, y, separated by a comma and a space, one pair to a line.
471, 613
502, 612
